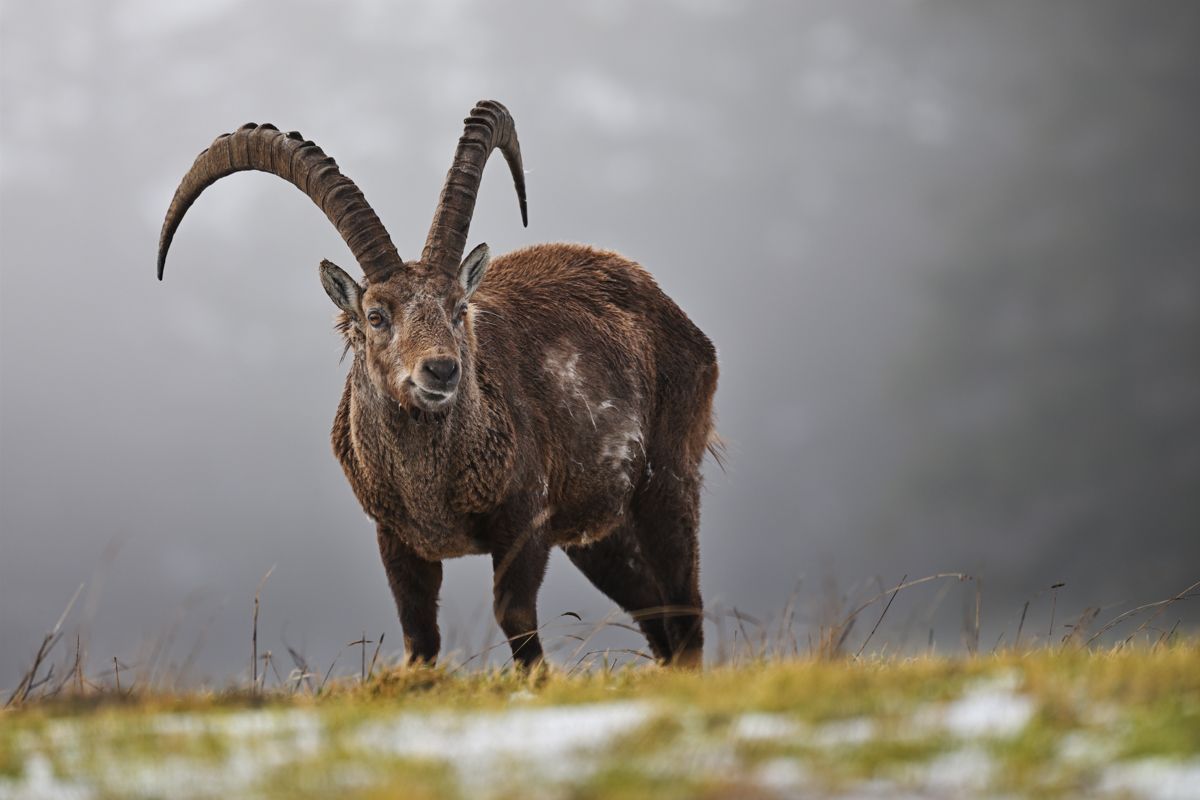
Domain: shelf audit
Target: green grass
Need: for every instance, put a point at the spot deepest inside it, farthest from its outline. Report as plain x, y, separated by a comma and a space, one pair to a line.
753, 730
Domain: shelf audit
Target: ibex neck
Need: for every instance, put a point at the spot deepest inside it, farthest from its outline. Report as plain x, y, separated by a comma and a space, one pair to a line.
456, 462
409, 428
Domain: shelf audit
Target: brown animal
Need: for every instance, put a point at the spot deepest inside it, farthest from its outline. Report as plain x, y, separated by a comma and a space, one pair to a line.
553, 396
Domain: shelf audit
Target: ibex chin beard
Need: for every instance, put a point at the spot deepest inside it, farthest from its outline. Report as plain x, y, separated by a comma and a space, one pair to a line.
419, 402
432, 402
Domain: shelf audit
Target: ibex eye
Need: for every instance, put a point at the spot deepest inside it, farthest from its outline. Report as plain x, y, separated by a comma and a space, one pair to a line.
376, 319
460, 314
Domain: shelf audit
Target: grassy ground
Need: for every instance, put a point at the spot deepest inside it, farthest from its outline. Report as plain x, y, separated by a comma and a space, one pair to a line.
1052, 722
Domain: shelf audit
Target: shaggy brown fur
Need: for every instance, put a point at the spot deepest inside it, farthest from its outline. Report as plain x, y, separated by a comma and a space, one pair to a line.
560, 400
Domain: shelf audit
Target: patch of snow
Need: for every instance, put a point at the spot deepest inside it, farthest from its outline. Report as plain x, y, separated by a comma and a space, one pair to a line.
1100, 715
761, 726
261, 740
845, 732
1153, 779
782, 775
882, 789
966, 769
483, 748
40, 783
476, 743
1081, 747
989, 709
301, 728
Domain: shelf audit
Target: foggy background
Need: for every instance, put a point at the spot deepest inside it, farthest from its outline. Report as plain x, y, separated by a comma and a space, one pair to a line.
948, 253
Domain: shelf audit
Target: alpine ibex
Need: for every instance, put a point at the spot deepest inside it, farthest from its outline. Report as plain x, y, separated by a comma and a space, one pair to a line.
562, 400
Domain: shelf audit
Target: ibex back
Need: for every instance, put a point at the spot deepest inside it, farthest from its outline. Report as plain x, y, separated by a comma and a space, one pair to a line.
553, 396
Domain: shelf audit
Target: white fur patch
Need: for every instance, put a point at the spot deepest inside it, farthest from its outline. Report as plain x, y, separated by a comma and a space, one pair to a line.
618, 447
619, 433
565, 368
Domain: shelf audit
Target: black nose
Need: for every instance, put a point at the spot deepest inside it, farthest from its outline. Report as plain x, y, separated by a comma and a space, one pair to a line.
442, 371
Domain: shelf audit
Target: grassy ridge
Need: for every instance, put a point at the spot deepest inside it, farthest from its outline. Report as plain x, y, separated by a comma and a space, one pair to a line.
1058, 722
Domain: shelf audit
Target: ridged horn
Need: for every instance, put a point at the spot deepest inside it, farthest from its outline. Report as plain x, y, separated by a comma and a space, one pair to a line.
489, 126
290, 156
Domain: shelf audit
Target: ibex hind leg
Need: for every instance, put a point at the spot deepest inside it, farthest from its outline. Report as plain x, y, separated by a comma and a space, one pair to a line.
616, 566
667, 513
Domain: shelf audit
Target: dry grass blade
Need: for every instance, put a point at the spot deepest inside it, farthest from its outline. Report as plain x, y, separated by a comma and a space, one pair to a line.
787, 619
622, 650
254, 632
75, 673
845, 634
1021, 625
329, 671
374, 658
268, 659
485, 651
891, 600
117, 673
1184, 595
79, 660
302, 672
961, 576
1161, 605
595, 629
977, 630
834, 638
362, 643
1053, 607
1080, 627
29, 681
478, 654
1167, 636
194, 653
741, 617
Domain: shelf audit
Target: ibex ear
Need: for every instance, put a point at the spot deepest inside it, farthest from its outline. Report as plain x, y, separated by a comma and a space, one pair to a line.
470, 274
345, 293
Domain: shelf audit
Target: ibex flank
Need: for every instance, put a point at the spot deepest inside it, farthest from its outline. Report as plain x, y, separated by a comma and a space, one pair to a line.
552, 396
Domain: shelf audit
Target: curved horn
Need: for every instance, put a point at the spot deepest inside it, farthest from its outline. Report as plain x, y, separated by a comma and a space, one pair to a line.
489, 126
290, 156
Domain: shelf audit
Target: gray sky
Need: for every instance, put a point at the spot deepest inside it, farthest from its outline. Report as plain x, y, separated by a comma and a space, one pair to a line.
947, 253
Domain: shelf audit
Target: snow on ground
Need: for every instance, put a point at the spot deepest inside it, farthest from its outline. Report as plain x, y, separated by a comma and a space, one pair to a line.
236, 753
546, 741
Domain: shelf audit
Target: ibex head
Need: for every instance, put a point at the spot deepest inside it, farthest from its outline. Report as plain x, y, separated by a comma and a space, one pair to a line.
409, 321
411, 329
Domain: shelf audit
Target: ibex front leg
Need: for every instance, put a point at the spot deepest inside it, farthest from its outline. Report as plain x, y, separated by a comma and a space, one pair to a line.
518, 569
415, 585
